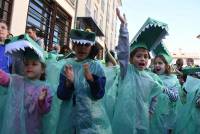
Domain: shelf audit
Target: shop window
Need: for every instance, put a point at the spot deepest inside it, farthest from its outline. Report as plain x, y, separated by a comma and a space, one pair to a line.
50, 20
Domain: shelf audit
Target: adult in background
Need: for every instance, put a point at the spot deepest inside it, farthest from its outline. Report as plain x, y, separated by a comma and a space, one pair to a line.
190, 63
179, 64
31, 31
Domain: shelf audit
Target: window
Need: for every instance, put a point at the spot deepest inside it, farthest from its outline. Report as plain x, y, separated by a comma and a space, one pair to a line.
62, 27
51, 20
6, 10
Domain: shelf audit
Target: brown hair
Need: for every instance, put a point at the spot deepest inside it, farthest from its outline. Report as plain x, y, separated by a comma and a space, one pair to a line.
43, 75
167, 66
33, 28
190, 59
4, 22
132, 54
179, 62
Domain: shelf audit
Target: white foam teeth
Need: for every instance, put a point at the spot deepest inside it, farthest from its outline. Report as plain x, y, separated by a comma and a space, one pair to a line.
10, 51
143, 30
18, 48
83, 42
22, 48
13, 50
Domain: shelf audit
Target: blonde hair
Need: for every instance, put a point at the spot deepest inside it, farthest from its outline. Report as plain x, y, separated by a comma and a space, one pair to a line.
88, 30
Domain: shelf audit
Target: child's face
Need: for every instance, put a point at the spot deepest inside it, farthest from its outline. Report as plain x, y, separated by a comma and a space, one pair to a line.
190, 62
159, 66
82, 51
3, 31
140, 59
33, 69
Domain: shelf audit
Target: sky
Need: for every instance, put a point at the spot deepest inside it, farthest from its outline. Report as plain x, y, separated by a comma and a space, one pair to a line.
182, 17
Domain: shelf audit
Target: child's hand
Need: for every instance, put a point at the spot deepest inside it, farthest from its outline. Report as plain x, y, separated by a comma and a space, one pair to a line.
69, 73
121, 18
86, 67
4, 78
87, 72
1, 74
43, 94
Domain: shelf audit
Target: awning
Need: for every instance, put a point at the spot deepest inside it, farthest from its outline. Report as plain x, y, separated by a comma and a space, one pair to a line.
88, 22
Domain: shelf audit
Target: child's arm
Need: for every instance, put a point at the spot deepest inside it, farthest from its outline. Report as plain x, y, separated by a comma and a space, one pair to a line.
44, 101
155, 92
65, 91
66, 86
123, 45
4, 78
97, 84
172, 94
152, 105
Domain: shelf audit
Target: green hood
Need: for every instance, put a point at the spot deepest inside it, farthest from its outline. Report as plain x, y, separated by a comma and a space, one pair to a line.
149, 35
82, 37
162, 50
191, 70
24, 47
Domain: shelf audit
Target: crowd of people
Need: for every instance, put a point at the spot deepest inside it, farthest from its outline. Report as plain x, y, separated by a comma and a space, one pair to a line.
79, 94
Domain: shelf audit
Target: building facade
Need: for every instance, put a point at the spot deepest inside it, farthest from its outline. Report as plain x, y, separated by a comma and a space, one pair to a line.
54, 18
184, 55
104, 14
